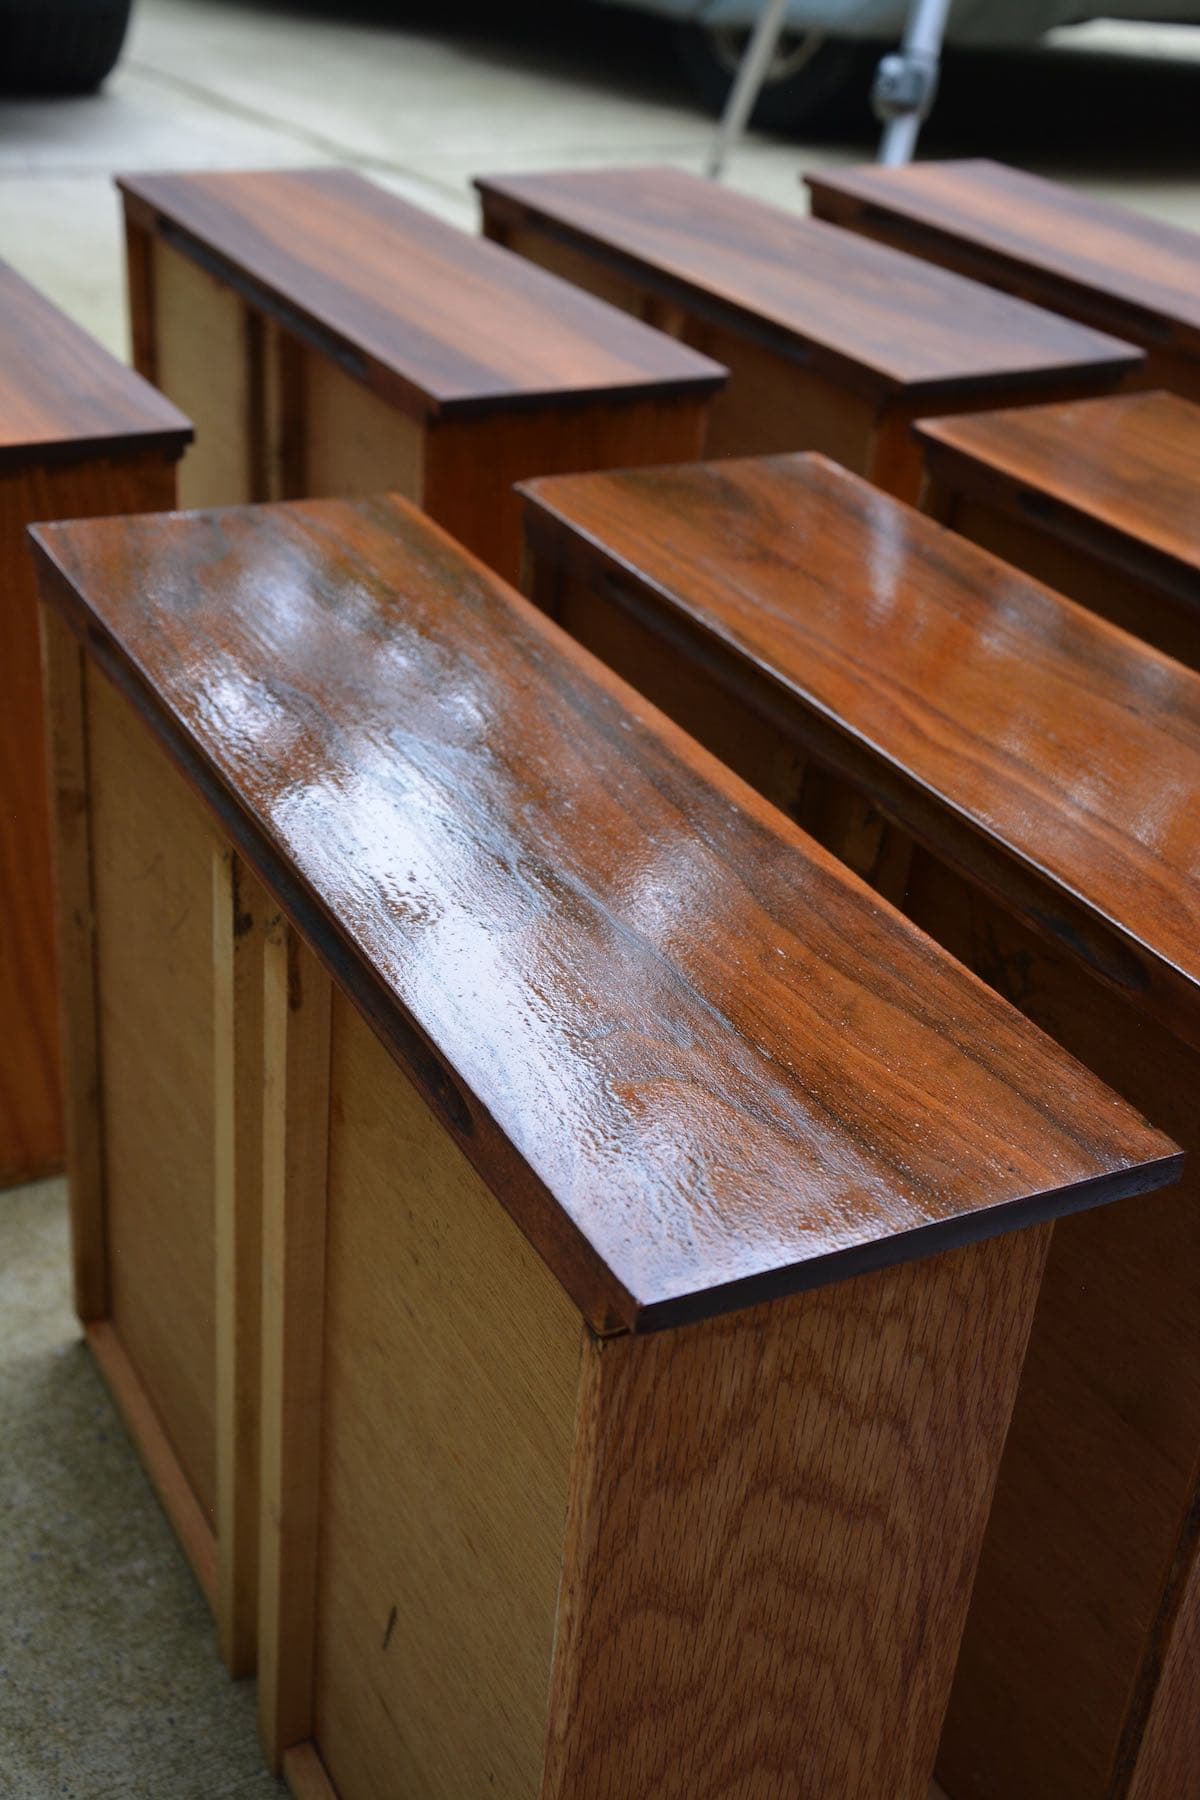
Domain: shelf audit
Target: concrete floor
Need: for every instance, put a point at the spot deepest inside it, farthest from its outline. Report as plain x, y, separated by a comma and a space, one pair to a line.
109, 1685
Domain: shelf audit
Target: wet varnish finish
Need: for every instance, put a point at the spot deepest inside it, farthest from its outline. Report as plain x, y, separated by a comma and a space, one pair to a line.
865, 335
551, 1037
1096, 497
1086, 257
1022, 778
538, 889
79, 435
1051, 746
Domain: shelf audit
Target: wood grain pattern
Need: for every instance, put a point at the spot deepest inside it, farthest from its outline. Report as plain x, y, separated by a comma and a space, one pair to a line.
31, 1117
75, 922
436, 321
202, 351
533, 884
824, 624
157, 1454
796, 1497
1102, 498
1169, 1753
874, 320
295, 1138
1094, 1520
1082, 255
1053, 757
64, 398
448, 1412
152, 850
240, 913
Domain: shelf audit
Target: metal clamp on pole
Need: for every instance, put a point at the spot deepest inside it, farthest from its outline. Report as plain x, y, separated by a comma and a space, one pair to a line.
906, 82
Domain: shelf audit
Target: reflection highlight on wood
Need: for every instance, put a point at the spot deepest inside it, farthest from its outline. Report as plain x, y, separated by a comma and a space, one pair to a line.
1021, 777
652, 1219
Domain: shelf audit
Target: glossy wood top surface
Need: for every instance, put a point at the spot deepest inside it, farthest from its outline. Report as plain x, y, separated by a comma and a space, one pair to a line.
427, 314
885, 320
1091, 245
698, 1062
62, 394
1072, 747
1128, 464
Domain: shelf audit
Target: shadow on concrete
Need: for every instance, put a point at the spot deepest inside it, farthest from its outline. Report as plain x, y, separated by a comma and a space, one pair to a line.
1088, 111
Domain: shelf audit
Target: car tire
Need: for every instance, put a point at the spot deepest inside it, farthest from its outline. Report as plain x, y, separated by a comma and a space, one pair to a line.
60, 46
812, 79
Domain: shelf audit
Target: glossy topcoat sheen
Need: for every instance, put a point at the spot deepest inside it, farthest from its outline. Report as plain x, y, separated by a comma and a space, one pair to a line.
898, 323
697, 1061
62, 395
427, 314
1070, 745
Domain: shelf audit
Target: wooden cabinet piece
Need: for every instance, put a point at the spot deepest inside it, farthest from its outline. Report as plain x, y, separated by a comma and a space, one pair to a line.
329, 338
79, 436
833, 344
1099, 498
1075, 253
651, 1222
1021, 778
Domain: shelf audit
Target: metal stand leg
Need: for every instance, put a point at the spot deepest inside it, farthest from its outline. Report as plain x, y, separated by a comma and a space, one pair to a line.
906, 83
745, 90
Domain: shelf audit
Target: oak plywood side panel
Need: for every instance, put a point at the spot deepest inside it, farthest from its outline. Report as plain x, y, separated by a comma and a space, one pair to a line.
449, 1399
775, 1522
354, 442
203, 360
152, 850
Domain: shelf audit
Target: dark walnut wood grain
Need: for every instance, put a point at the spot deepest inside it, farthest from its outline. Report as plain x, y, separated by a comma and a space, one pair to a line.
79, 435
330, 339
64, 398
1096, 497
1089, 258
1022, 778
430, 318
897, 324
696, 1061
1058, 757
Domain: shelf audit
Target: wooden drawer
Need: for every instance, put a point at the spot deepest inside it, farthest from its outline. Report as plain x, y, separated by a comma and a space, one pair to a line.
833, 343
328, 338
651, 1221
1021, 779
79, 436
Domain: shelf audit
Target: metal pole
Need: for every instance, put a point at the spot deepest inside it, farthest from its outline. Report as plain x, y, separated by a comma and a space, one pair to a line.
906, 84
747, 84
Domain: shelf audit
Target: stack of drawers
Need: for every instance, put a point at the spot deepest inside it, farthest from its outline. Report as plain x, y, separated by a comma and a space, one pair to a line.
615, 1136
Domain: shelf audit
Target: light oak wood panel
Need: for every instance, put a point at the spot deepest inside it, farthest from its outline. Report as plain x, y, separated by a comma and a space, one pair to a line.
774, 1521
295, 1137
449, 1397
241, 909
351, 441
202, 360
152, 849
